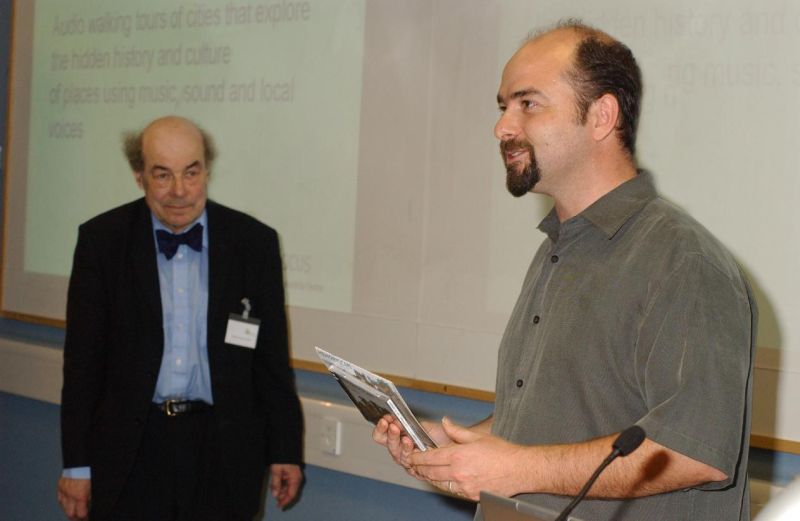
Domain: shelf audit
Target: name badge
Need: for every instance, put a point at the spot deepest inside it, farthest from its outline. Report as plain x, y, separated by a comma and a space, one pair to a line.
242, 331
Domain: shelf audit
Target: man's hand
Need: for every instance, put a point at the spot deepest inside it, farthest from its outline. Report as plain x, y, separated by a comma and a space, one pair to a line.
74, 496
389, 433
474, 461
285, 480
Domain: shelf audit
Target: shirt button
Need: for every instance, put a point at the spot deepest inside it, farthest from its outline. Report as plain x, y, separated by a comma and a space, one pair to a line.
180, 290
554, 259
519, 383
180, 255
536, 319
178, 361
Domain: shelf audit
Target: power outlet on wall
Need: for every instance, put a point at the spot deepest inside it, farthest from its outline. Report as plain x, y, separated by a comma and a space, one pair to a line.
330, 438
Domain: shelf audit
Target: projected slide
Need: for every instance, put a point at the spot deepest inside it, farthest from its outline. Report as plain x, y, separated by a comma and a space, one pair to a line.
276, 82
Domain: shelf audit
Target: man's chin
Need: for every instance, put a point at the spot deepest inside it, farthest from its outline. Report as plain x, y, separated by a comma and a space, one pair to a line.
520, 183
517, 189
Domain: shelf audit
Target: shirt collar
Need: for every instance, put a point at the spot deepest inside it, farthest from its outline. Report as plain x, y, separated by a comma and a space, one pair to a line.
158, 225
613, 210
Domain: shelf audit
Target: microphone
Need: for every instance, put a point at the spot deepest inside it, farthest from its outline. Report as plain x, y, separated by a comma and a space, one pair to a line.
627, 442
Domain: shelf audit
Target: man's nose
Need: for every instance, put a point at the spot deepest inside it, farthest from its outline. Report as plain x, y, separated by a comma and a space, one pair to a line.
178, 185
507, 127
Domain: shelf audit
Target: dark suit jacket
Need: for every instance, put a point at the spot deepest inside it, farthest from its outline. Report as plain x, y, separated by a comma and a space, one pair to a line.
115, 338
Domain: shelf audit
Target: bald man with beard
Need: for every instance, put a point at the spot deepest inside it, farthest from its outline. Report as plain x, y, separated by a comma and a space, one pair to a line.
631, 313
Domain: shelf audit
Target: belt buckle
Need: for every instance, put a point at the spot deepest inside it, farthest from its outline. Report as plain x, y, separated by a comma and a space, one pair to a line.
168, 407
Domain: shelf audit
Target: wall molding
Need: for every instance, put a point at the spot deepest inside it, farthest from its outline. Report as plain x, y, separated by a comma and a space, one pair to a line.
34, 371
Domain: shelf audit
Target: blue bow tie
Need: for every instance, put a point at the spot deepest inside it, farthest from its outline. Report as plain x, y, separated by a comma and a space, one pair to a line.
168, 242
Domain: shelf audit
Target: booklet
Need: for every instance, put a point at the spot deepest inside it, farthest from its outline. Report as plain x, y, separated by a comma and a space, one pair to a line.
375, 396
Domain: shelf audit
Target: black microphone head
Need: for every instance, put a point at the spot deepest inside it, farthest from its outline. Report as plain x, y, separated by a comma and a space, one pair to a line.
629, 440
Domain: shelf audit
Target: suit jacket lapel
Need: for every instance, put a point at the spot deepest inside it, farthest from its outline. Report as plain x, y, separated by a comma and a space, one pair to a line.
218, 271
145, 268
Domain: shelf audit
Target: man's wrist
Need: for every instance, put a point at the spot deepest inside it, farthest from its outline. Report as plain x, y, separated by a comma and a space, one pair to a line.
523, 465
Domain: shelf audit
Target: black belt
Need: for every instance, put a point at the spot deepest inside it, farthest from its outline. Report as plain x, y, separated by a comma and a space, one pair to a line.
177, 407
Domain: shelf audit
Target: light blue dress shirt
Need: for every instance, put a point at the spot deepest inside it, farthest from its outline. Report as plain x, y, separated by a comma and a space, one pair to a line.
183, 281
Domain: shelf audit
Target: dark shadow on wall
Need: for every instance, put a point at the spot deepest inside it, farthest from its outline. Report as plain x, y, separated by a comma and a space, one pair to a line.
766, 382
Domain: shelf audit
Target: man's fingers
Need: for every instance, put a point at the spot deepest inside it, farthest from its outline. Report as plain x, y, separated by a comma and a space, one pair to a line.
74, 510
434, 457
276, 480
82, 510
73, 496
389, 433
394, 442
285, 482
458, 433
441, 473
406, 449
290, 491
379, 433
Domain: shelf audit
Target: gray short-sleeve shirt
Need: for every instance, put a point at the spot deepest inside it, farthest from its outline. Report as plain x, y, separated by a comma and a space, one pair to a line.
633, 313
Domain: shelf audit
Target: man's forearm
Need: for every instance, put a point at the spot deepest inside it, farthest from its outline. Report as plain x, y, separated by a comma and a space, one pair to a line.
652, 469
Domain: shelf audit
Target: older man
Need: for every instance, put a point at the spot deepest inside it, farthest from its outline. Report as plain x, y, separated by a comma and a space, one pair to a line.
631, 313
177, 389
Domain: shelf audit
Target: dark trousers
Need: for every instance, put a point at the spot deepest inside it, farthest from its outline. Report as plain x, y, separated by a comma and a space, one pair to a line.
178, 474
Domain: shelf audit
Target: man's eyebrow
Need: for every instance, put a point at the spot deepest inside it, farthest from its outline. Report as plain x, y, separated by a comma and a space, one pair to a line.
518, 94
193, 164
